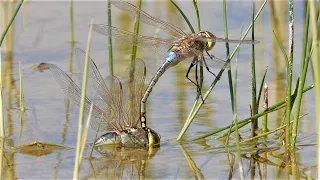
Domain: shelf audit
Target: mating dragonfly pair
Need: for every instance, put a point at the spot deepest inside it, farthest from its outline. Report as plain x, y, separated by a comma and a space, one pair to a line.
128, 127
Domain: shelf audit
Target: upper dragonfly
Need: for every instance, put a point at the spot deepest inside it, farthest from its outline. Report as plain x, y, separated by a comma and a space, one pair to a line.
187, 46
116, 103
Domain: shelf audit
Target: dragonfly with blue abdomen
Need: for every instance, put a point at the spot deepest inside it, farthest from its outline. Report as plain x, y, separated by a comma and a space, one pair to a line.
184, 47
116, 105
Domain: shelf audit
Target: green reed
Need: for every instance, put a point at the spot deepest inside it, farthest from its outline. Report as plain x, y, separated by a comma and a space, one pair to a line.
187, 123
82, 106
199, 95
110, 41
233, 93
85, 132
183, 15
245, 121
289, 100
3, 35
71, 21
22, 107
264, 88
2, 157
314, 25
265, 106
254, 105
306, 55
196, 171
2, 134
136, 31
10, 22
195, 110
289, 61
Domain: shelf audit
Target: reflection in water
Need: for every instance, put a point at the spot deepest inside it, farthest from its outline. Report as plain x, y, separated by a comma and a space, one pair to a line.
120, 163
37, 148
67, 108
8, 84
192, 165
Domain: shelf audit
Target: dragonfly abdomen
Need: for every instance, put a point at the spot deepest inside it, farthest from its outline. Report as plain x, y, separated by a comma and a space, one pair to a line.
110, 138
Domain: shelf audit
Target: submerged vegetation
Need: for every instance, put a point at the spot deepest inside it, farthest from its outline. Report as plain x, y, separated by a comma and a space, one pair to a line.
120, 104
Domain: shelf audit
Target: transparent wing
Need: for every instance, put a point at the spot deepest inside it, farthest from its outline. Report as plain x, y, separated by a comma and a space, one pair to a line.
214, 62
94, 77
128, 113
211, 61
146, 18
133, 89
111, 106
108, 94
119, 35
73, 92
218, 39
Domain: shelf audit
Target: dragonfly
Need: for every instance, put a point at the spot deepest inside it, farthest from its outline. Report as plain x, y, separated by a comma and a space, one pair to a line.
184, 46
116, 104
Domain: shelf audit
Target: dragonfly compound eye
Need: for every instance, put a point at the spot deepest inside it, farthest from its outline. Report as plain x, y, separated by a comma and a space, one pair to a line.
209, 43
153, 138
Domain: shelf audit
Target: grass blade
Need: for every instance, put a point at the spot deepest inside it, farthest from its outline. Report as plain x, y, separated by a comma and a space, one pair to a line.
10, 22
82, 104
316, 71
110, 42
183, 15
194, 112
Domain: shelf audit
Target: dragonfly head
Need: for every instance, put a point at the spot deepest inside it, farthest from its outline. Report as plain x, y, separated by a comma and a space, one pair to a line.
153, 138
209, 44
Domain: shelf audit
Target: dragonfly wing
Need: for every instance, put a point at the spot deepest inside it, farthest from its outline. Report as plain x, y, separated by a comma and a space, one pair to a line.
108, 92
211, 61
146, 18
134, 87
146, 42
73, 92
94, 77
214, 62
122, 106
217, 39
111, 105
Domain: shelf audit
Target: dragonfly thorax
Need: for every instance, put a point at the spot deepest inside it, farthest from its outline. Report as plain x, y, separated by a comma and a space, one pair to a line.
189, 45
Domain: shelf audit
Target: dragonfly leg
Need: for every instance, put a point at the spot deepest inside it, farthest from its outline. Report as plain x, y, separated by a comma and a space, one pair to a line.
187, 76
198, 81
205, 63
195, 83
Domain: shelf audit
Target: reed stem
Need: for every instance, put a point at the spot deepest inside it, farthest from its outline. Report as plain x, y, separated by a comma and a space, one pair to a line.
10, 22
136, 31
254, 111
22, 107
82, 106
289, 86
197, 108
265, 107
313, 16
245, 121
110, 42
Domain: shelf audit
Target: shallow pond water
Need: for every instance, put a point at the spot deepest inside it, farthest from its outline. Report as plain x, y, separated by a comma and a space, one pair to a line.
42, 34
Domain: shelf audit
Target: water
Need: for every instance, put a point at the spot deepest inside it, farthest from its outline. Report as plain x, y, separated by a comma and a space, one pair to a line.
45, 39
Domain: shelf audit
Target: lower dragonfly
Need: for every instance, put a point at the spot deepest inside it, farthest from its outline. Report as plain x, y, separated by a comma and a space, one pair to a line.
185, 46
116, 103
